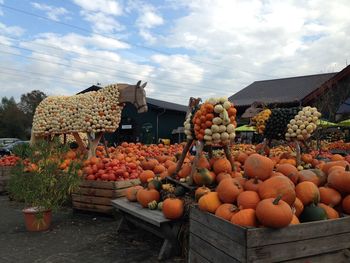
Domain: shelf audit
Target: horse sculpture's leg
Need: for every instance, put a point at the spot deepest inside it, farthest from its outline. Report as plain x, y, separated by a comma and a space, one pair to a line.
182, 157
93, 142
199, 149
81, 144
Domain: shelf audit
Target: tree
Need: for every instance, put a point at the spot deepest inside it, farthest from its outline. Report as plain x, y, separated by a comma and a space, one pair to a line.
12, 119
30, 101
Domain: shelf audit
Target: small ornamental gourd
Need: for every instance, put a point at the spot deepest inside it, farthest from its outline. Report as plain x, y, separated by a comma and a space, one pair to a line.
274, 212
153, 205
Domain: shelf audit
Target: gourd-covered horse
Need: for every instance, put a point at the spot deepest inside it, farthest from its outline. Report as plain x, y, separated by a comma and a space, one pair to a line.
93, 113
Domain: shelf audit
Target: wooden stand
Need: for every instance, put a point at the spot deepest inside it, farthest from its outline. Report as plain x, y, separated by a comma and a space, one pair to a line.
213, 239
152, 221
96, 196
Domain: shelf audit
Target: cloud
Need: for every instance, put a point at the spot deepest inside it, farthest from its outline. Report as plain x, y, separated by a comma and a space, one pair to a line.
104, 6
52, 12
102, 23
11, 30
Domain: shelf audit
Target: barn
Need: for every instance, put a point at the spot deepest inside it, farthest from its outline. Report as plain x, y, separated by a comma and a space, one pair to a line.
162, 121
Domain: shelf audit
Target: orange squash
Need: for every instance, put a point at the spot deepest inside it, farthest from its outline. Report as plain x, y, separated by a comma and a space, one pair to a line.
228, 190
308, 193
259, 166
245, 218
173, 208
248, 199
274, 212
226, 211
329, 196
144, 196
278, 185
209, 202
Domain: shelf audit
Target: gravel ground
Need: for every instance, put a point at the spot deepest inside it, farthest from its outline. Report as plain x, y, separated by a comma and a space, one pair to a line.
73, 237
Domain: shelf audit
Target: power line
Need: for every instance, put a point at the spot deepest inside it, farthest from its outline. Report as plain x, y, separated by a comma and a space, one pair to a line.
100, 72
127, 42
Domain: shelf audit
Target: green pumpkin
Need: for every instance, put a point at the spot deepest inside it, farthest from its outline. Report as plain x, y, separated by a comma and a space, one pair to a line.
155, 184
160, 206
179, 190
153, 205
313, 213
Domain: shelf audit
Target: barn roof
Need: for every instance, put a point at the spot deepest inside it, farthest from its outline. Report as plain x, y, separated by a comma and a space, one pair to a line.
284, 90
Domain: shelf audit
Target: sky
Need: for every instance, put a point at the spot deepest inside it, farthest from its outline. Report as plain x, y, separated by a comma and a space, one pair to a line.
199, 48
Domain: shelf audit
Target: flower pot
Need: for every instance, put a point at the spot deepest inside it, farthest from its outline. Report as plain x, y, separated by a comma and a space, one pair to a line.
36, 219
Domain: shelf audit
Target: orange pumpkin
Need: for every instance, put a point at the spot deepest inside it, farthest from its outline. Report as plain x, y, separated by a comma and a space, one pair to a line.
203, 162
228, 190
209, 202
185, 170
159, 168
248, 199
298, 207
203, 177
308, 193
173, 208
329, 196
226, 211
131, 193
245, 217
328, 165
295, 220
307, 158
171, 169
144, 196
278, 185
241, 157
252, 184
222, 176
331, 213
274, 212
200, 191
337, 157
340, 180
309, 176
346, 204
336, 167
149, 164
290, 171
259, 166
222, 165
146, 175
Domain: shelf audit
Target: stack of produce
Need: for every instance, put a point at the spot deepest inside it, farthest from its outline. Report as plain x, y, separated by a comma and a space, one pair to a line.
214, 122
276, 125
96, 111
277, 196
9, 160
260, 120
303, 124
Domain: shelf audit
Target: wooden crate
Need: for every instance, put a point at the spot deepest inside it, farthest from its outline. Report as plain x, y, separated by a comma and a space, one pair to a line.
213, 239
96, 196
5, 172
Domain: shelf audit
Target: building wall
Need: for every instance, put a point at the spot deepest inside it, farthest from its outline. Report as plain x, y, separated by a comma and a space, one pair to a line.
167, 121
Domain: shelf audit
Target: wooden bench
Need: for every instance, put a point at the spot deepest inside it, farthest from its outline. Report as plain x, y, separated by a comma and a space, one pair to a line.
152, 221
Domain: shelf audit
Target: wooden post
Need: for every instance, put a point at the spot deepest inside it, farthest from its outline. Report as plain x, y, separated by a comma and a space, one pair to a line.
199, 149
105, 145
182, 157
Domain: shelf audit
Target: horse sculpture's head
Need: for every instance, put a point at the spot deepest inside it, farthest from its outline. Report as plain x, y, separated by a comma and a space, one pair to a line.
253, 110
140, 97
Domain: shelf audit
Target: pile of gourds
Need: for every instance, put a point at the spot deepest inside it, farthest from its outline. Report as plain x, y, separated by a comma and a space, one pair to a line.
96, 111
214, 122
260, 120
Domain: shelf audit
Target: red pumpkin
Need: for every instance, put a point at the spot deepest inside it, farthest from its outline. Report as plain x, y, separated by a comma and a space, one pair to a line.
274, 212
144, 196
228, 190
278, 185
259, 166
173, 208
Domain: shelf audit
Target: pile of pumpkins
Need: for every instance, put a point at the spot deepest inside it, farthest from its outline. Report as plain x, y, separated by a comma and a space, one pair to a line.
266, 194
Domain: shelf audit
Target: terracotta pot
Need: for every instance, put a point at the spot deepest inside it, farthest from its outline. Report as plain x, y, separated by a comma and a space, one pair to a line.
36, 220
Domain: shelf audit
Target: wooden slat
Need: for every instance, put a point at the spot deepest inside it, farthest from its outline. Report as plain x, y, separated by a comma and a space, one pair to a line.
91, 199
341, 256
218, 241
110, 185
265, 236
194, 257
93, 207
221, 226
101, 192
154, 217
298, 249
207, 251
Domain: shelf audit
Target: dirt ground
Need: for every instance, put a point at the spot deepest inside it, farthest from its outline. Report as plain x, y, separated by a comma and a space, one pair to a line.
73, 237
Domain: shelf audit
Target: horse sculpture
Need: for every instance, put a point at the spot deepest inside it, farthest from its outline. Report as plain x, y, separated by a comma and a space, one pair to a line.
94, 113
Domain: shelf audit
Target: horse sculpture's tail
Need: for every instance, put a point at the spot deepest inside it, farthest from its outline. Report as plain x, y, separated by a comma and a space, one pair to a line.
32, 138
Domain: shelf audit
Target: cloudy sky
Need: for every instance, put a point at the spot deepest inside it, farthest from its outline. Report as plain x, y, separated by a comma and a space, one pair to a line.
182, 48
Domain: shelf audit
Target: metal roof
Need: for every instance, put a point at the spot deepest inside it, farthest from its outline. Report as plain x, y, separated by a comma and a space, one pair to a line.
284, 90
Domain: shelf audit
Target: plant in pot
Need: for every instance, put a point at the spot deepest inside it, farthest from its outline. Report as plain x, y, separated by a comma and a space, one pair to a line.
44, 182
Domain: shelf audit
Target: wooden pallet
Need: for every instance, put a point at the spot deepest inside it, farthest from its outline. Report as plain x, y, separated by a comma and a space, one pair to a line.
5, 172
96, 196
213, 239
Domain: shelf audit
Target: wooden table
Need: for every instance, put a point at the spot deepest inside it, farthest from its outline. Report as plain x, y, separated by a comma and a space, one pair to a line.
152, 221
